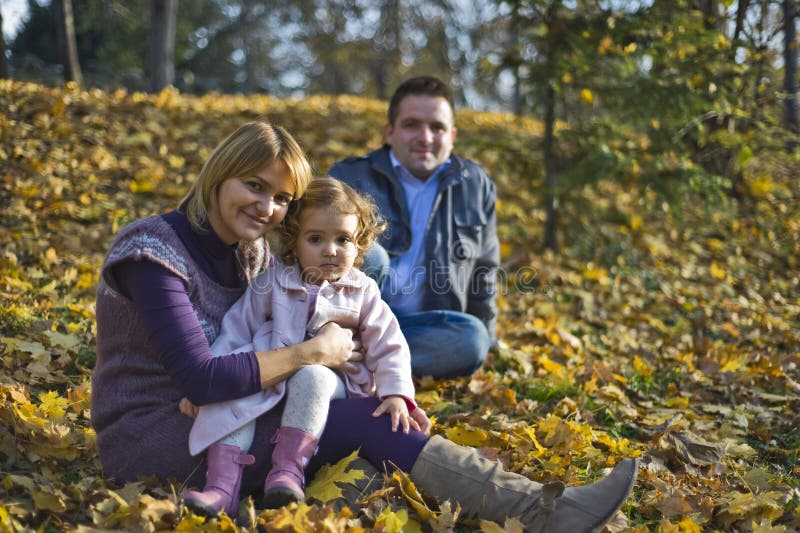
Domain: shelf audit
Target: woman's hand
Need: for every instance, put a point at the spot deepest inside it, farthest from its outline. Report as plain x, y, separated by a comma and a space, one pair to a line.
396, 408
188, 408
336, 348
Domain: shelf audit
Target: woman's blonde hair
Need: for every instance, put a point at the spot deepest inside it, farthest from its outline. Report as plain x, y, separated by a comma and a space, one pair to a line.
247, 150
330, 193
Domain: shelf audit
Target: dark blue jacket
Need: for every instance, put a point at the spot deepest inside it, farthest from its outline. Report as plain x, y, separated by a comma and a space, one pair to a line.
462, 252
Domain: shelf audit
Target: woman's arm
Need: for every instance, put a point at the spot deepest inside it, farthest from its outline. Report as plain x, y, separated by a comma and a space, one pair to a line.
333, 347
172, 326
168, 316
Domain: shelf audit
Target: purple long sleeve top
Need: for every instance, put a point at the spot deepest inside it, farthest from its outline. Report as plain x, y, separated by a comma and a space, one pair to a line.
162, 301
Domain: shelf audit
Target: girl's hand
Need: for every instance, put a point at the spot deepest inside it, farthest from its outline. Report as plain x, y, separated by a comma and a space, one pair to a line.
188, 408
422, 420
396, 408
336, 347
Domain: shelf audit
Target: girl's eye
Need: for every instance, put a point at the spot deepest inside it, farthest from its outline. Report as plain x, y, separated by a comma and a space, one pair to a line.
255, 185
314, 239
344, 239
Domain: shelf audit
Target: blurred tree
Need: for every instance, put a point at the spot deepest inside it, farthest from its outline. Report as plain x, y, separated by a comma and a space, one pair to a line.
790, 68
387, 58
65, 36
285, 48
112, 40
161, 43
4, 72
554, 64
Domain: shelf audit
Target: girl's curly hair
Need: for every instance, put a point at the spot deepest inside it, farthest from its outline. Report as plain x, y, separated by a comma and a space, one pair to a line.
330, 193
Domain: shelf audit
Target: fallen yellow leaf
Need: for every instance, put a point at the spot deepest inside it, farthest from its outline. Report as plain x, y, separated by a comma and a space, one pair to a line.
324, 487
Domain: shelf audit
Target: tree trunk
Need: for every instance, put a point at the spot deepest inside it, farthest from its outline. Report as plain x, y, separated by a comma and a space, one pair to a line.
516, 95
4, 72
713, 14
67, 45
790, 68
249, 85
741, 11
387, 58
161, 45
552, 48
551, 171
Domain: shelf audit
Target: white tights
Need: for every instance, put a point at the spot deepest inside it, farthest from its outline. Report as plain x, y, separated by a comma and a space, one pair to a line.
308, 395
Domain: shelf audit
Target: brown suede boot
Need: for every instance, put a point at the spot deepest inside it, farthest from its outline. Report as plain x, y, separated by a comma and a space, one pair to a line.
484, 490
285, 482
223, 479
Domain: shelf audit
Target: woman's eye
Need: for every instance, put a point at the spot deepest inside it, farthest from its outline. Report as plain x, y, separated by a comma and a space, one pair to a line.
282, 199
255, 185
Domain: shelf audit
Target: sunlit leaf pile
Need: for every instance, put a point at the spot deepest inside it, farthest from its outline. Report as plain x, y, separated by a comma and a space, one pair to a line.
661, 331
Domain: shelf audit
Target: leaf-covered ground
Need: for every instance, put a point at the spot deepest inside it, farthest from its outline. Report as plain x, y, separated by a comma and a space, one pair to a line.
672, 338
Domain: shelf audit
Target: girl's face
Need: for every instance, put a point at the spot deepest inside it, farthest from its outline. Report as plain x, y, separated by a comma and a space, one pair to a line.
326, 246
249, 206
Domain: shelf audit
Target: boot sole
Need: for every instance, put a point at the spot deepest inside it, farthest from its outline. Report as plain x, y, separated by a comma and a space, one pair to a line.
200, 509
278, 497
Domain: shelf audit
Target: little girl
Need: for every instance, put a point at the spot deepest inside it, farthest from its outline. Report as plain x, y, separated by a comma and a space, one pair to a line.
322, 242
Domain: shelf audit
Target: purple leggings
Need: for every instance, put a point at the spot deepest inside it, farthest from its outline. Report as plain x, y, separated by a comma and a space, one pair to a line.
351, 425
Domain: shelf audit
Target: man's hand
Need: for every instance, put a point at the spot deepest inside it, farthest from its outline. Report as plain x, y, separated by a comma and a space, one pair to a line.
396, 408
188, 408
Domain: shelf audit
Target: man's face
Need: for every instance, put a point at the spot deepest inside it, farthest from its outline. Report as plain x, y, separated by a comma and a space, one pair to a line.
422, 134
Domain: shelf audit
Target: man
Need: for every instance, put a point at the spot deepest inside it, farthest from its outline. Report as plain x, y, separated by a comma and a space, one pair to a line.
441, 239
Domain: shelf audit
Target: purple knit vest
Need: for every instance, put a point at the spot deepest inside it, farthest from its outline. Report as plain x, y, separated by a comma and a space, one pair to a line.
134, 402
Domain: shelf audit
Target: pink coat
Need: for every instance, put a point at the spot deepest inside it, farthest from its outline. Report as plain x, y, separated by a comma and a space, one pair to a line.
274, 313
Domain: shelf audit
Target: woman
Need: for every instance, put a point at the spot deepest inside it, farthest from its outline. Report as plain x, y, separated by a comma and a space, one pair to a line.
165, 286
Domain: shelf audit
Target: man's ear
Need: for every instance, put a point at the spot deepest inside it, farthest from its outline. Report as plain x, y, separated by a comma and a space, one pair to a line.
387, 133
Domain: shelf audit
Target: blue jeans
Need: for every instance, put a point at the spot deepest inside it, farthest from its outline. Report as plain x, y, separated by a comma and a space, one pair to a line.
443, 343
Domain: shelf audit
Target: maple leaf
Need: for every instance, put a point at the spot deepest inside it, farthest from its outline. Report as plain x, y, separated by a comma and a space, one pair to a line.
467, 436
35, 349
52, 405
511, 525
447, 518
765, 526
190, 522
412, 495
324, 487
687, 525
396, 522
691, 448
157, 512
293, 516
751, 507
49, 500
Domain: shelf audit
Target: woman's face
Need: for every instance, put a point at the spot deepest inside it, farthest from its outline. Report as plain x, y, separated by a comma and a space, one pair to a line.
249, 206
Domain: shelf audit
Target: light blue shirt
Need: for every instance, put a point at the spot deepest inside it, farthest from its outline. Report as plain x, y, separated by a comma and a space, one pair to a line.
408, 271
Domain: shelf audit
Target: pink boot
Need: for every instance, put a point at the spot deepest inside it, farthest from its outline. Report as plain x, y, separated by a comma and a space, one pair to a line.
293, 449
223, 478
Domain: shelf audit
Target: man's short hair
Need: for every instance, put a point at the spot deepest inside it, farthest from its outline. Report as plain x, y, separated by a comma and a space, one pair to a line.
421, 85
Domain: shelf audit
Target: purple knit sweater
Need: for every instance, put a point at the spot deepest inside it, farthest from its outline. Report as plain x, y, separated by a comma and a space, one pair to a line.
134, 398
